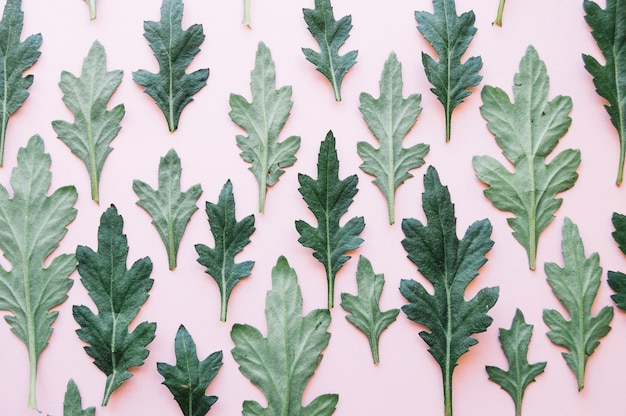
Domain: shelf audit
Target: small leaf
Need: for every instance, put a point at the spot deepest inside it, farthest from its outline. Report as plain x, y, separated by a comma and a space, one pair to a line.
328, 198
617, 280
174, 48
72, 404
169, 208
450, 36
330, 34
118, 294
230, 236
390, 118
576, 286
282, 363
364, 307
94, 126
263, 119
521, 373
190, 377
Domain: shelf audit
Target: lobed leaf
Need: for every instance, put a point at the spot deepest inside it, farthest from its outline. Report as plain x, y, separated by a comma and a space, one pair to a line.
617, 280
72, 403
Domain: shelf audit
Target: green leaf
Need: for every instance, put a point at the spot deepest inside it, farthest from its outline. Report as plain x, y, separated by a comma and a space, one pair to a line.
263, 119
31, 225
364, 307
328, 198
190, 377
174, 48
282, 363
94, 126
15, 58
450, 36
617, 280
230, 237
169, 208
390, 118
576, 286
72, 404
450, 266
527, 131
608, 27
118, 294
521, 373
330, 34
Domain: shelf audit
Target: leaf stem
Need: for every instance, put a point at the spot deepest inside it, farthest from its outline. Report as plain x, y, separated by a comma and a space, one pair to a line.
498, 20
92, 9
448, 122
3, 133
246, 13
447, 391
374, 349
32, 391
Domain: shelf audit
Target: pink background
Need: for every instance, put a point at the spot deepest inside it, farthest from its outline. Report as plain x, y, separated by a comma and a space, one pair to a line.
408, 380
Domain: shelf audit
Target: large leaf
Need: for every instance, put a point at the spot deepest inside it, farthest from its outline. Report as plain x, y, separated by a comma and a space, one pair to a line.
31, 225
263, 119
364, 308
282, 363
328, 198
521, 373
608, 27
94, 126
527, 131
15, 58
450, 266
170, 208
450, 36
230, 237
617, 280
576, 286
174, 48
190, 377
118, 294
330, 34
390, 118
72, 403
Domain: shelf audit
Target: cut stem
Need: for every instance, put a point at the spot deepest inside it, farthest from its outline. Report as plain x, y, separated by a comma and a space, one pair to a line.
498, 20
246, 13
92, 9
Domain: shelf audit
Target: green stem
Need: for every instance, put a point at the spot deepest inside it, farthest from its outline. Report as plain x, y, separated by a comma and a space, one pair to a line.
92, 9
246, 13
223, 308
374, 349
448, 123
498, 20
3, 134
331, 292
447, 391
32, 391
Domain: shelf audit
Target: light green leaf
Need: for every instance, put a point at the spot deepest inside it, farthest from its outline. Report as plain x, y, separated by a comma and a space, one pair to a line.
263, 119
94, 126
31, 225
330, 34
390, 118
72, 403
118, 294
617, 280
174, 48
282, 363
527, 131
576, 286
364, 307
169, 208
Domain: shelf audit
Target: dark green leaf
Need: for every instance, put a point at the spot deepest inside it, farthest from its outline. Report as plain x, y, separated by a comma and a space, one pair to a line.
190, 377
328, 198
174, 48
72, 404
617, 280
118, 294
330, 34
282, 363
230, 237
450, 266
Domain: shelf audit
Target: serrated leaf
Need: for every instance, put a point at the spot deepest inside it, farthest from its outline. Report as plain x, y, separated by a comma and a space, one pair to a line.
450, 36
190, 377
263, 119
328, 198
521, 373
170, 208
118, 293
617, 280
72, 403
390, 118
230, 237
527, 131
576, 286
172, 88
282, 363
31, 225
450, 265
15, 58
330, 34
608, 27
364, 307
94, 126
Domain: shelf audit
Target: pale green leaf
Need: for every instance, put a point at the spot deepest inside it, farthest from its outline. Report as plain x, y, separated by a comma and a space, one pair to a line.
72, 403
617, 280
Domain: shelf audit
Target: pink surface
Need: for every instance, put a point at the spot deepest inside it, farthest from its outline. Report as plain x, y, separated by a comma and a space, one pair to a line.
408, 380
